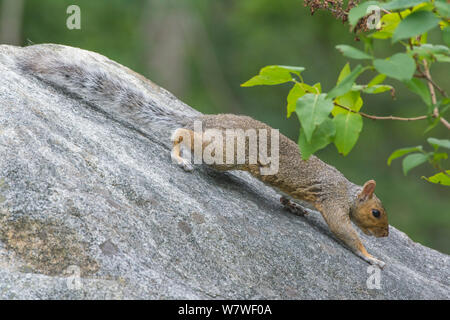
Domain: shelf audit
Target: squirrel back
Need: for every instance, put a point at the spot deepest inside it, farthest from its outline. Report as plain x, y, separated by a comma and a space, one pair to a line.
311, 181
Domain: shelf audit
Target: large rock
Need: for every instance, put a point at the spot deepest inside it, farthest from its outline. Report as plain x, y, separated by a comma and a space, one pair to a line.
82, 191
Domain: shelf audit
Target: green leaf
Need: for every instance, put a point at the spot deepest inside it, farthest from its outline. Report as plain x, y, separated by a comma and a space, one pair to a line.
446, 35
445, 101
415, 24
322, 136
439, 156
312, 110
344, 73
413, 160
424, 6
296, 92
388, 24
428, 50
401, 4
353, 53
400, 66
368, 43
401, 152
436, 143
432, 124
431, 52
351, 100
442, 58
440, 178
420, 88
272, 75
360, 11
318, 87
373, 89
378, 89
348, 127
379, 78
443, 8
346, 84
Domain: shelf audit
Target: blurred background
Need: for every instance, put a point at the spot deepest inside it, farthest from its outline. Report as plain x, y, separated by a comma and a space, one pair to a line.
202, 50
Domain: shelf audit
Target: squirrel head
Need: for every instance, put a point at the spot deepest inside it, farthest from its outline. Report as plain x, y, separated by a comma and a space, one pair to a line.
368, 212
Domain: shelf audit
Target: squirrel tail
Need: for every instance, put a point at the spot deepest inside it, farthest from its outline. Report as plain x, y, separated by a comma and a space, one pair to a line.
121, 97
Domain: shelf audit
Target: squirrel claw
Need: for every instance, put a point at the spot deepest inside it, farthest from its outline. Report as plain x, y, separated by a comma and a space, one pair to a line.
293, 207
379, 263
184, 163
187, 166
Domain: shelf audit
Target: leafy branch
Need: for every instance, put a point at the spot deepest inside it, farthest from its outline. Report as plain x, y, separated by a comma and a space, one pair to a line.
431, 86
335, 117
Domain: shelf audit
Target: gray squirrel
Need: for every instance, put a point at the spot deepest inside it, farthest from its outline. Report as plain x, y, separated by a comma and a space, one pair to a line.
313, 181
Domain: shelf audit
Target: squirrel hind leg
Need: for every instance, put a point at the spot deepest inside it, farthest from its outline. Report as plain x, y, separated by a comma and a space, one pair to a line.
181, 139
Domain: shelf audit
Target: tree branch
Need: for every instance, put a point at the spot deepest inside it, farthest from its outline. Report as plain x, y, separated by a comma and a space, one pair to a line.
369, 116
433, 94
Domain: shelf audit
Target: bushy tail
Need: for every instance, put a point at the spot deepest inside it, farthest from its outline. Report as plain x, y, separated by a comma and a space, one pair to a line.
99, 84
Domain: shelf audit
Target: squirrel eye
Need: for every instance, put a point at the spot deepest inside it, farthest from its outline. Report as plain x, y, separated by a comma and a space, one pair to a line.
376, 213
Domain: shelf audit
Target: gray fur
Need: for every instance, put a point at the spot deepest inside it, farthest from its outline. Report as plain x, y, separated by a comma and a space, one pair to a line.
109, 93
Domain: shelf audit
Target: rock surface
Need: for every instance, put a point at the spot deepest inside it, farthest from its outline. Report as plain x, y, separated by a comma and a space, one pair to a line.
83, 194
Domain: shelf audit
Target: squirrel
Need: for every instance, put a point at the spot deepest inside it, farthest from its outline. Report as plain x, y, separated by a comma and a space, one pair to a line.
339, 201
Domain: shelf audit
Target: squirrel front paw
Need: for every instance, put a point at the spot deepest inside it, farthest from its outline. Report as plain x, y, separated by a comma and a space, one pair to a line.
186, 165
182, 162
374, 261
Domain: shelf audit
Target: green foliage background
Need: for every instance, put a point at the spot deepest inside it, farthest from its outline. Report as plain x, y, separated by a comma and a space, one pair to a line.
202, 51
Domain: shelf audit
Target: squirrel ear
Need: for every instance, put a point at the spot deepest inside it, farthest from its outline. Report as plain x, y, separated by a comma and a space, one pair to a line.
368, 189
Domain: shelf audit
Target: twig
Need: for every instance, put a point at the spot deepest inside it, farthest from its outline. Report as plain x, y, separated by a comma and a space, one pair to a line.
369, 116
433, 94
422, 75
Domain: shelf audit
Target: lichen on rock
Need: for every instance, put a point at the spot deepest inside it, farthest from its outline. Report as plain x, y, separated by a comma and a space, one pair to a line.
46, 247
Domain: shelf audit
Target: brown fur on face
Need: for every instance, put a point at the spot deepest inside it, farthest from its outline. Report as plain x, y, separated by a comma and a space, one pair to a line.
362, 213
